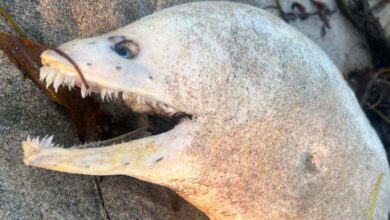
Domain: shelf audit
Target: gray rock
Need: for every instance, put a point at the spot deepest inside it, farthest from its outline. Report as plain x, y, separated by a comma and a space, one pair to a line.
383, 14
345, 46
129, 198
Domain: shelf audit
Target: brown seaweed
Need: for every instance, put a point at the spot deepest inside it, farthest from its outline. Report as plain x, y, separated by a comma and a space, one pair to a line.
85, 113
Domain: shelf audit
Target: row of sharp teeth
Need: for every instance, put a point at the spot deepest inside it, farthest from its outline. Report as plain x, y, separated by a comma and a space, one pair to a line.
55, 77
52, 76
45, 142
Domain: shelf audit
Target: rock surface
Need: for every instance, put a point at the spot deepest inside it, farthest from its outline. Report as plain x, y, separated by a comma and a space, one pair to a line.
343, 43
382, 12
29, 193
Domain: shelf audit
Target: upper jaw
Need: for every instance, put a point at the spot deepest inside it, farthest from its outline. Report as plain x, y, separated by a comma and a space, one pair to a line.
59, 75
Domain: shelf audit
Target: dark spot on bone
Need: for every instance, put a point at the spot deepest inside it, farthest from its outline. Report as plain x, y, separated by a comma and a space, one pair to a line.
89, 64
125, 163
308, 164
92, 42
73, 44
86, 166
159, 159
118, 68
150, 77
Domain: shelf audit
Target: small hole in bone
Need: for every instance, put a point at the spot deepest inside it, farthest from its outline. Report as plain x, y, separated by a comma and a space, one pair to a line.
159, 159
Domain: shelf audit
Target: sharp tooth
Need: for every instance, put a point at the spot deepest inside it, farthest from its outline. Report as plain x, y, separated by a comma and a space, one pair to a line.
103, 94
106, 94
72, 82
68, 82
124, 95
50, 78
43, 74
109, 95
57, 82
43, 141
83, 91
49, 141
36, 141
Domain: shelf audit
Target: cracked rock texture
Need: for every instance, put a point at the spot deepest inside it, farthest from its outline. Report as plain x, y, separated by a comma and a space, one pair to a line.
31, 193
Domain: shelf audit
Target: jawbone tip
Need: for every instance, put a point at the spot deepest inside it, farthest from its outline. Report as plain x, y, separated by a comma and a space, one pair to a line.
32, 147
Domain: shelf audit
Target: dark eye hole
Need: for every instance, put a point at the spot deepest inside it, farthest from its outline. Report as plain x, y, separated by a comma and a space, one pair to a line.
127, 49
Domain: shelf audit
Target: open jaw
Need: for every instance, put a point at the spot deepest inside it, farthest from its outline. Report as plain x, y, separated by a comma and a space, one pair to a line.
166, 115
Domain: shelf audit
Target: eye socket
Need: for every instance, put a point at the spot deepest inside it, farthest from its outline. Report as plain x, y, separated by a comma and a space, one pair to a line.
127, 49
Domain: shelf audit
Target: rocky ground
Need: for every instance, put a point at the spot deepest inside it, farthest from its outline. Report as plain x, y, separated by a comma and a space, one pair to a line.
31, 193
